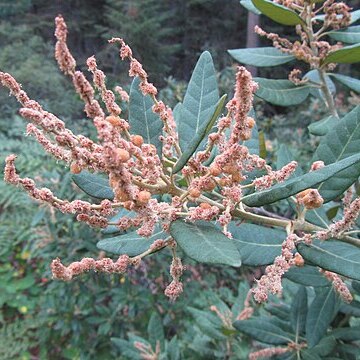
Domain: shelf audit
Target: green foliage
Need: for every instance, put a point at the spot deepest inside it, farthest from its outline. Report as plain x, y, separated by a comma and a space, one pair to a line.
278, 13
96, 186
294, 186
281, 92
200, 100
350, 35
142, 119
346, 55
203, 242
266, 56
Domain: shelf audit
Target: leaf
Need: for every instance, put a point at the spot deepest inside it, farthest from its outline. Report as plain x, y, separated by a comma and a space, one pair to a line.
313, 76
173, 349
349, 35
126, 348
352, 309
306, 275
263, 331
143, 121
284, 157
341, 142
94, 185
298, 311
278, 13
204, 242
281, 92
258, 245
325, 346
320, 315
155, 330
281, 311
209, 323
333, 255
350, 82
294, 186
200, 99
261, 57
248, 5
131, 243
346, 55
347, 334
197, 139
262, 145
323, 126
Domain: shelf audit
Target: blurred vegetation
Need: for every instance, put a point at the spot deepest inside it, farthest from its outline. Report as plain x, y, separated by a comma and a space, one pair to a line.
43, 319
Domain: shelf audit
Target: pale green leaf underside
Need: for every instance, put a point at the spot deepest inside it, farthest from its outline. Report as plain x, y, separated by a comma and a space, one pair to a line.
323, 126
294, 186
143, 121
204, 242
94, 185
341, 142
200, 99
261, 57
350, 82
131, 243
281, 92
350, 35
247, 4
334, 256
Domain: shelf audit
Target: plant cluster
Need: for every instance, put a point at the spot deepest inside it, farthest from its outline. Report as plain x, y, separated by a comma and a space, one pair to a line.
191, 180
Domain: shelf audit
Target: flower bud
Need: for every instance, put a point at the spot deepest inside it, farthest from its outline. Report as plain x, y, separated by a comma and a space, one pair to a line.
143, 197
195, 193
114, 120
299, 260
122, 155
75, 168
137, 140
310, 198
205, 206
215, 170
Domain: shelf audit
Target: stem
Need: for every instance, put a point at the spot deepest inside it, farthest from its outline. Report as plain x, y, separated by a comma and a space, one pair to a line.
326, 91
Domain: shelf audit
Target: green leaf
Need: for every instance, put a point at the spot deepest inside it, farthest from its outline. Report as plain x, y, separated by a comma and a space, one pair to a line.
325, 346
306, 275
323, 126
352, 309
346, 55
155, 330
94, 185
350, 82
341, 142
320, 315
131, 243
248, 5
294, 186
313, 76
261, 57
126, 348
278, 13
347, 334
298, 312
205, 128
309, 355
208, 322
282, 311
263, 331
333, 255
349, 35
284, 157
143, 121
204, 242
200, 99
173, 349
258, 245
281, 92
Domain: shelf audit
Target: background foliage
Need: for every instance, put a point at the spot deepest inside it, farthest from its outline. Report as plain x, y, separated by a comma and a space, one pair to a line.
42, 319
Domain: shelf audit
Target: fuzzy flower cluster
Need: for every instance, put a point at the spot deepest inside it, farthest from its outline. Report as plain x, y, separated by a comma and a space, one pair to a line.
267, 353
310, 49
137, 173
271, 281
339, 285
